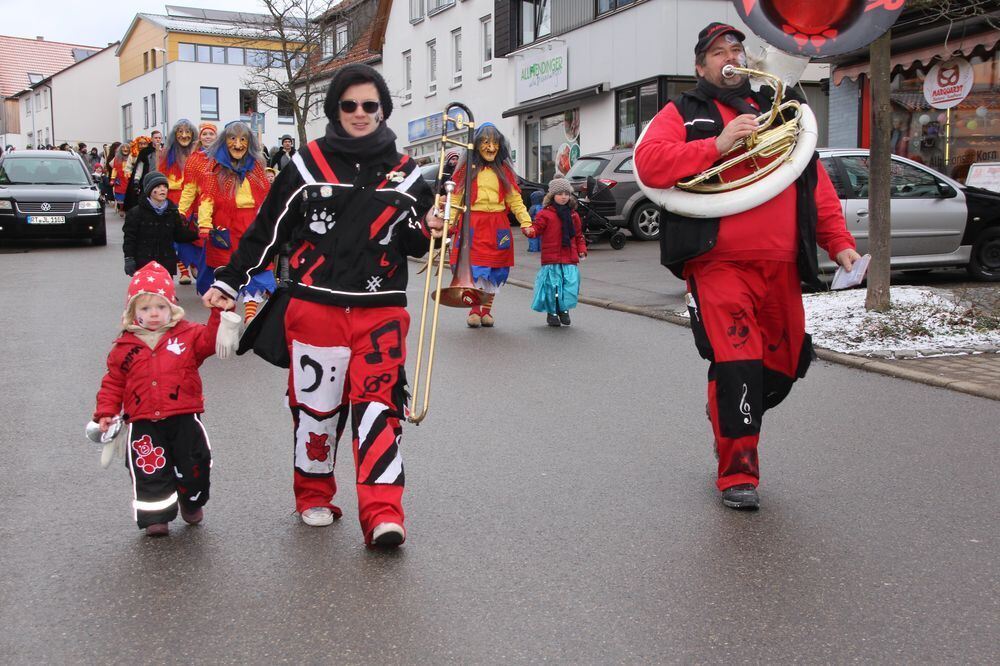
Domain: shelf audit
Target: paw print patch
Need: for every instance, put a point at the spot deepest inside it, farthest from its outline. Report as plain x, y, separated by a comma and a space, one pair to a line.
321, 221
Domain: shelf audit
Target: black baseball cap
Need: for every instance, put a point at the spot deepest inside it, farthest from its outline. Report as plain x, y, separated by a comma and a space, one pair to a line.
711, 32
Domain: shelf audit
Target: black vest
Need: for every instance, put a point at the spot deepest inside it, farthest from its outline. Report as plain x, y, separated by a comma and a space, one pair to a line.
683, 238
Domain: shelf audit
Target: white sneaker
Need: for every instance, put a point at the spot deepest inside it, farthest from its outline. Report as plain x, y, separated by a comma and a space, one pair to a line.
388, 535
317, 516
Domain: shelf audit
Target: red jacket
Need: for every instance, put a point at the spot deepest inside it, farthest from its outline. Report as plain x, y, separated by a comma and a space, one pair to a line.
153, 384
548, 227
769, 231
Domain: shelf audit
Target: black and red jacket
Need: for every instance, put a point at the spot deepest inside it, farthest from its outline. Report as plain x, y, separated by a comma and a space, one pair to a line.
153, 384
350, 226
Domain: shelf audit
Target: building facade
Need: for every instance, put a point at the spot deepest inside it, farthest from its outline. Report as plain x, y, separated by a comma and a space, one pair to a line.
24, 63
560, 78
948, 135
77, 104
199, 65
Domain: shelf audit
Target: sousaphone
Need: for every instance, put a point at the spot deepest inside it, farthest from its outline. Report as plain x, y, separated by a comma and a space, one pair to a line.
781, 148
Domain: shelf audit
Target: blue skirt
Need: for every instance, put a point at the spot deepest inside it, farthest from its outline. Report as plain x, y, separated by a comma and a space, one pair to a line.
556, 281
489, 279
260, 283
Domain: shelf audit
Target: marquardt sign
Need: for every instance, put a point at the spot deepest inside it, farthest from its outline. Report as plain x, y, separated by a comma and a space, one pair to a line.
948, 83
541, 72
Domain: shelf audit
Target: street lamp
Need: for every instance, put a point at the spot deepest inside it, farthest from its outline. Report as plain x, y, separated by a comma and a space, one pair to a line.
163, 93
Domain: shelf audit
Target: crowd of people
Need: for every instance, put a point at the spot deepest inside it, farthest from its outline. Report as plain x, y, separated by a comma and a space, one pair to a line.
341, 215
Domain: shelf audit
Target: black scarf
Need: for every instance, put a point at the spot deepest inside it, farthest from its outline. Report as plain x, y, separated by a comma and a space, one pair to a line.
566, 215
732, 97
380, 144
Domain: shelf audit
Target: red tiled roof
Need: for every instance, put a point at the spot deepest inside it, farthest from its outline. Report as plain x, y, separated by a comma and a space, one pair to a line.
20, 56
367, 48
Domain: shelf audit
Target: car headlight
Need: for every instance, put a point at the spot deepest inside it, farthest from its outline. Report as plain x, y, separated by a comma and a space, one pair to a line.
5, 204
90, 205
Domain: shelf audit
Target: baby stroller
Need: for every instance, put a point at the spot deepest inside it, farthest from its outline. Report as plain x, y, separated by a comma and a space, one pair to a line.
595, 225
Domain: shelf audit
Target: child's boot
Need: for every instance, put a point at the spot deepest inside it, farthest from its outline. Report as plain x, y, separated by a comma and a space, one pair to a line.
552, 319
157, 530
564, 317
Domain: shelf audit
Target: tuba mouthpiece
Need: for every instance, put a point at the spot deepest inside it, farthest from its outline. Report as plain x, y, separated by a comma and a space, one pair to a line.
729, 71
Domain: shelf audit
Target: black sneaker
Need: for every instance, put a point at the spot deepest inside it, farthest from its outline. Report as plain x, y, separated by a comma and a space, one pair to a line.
743, 496
552, 320
564, 317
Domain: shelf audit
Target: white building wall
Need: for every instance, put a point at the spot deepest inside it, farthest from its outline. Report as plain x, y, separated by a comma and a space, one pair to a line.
85, 101
184, 83
643, 41
36, 124
486, 96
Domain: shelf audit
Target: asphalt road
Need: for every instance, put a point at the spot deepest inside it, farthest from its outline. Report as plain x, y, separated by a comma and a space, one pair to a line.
560, 507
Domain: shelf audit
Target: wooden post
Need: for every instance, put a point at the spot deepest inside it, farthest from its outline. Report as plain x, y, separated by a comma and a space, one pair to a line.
879, 165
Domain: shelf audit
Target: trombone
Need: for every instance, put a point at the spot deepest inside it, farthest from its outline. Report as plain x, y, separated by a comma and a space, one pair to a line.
462, 291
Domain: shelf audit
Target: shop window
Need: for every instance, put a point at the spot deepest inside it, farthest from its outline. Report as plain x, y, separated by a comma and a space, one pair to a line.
534, 20
552, 145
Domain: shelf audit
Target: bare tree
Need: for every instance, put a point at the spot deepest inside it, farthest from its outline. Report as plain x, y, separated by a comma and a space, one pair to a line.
284, 74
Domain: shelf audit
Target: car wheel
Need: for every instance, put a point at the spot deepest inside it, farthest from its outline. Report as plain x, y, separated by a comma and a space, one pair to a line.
985, 261
645, 222
100, 236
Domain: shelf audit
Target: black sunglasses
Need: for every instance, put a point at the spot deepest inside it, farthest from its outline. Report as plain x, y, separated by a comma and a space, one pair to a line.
351, 105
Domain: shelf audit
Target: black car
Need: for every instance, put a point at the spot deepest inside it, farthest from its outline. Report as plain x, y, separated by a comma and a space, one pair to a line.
49, 194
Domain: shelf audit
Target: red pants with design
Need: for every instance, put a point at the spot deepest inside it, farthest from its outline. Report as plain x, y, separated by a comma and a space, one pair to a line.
348, 363
747, 319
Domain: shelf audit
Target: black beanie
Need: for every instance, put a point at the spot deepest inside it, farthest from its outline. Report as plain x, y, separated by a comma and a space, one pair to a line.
350, 75
151, 180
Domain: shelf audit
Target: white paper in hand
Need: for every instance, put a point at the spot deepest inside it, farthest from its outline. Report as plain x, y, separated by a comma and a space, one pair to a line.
843, 279
228, 337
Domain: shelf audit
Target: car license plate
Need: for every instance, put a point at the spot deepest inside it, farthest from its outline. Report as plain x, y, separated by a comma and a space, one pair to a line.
46, 219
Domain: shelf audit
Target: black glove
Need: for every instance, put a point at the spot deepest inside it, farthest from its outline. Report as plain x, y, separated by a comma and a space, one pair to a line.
129, 266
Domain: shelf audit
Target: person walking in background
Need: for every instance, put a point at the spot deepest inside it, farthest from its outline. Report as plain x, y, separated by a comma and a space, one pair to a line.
558, 226
283, 158
152, 227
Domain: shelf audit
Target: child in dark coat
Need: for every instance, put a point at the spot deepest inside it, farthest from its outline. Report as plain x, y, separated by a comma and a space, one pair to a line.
560, 229
153, 226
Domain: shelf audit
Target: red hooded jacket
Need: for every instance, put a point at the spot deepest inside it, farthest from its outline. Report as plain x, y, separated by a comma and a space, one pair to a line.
548, 227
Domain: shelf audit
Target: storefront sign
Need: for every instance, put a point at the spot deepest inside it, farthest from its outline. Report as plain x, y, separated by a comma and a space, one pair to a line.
948, 83
542, 72
431, 126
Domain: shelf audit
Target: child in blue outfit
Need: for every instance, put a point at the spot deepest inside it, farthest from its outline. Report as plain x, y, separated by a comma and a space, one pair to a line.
560, 230
535, 244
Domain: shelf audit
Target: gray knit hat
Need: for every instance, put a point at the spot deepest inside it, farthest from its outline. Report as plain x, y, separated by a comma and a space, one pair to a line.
560, 186
151, 180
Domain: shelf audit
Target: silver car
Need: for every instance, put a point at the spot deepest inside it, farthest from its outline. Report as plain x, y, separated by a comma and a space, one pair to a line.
630, 209
936, 222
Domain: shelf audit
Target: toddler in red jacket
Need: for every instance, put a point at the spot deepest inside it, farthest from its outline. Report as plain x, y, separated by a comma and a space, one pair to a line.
153, 383
558, 225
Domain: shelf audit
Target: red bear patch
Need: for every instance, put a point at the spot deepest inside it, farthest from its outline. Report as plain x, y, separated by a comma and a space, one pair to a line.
316, 447
149, 458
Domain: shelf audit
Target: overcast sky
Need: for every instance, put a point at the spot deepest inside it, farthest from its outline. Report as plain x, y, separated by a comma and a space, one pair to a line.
91, 23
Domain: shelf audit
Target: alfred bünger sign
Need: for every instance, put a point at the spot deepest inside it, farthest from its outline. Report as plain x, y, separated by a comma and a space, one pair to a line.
542, 72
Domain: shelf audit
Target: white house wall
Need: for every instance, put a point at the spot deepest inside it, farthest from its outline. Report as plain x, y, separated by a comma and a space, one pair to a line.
85, 101
184, 83
486, 97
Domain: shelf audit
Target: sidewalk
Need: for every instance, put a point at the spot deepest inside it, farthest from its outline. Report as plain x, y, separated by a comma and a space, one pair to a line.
632, 280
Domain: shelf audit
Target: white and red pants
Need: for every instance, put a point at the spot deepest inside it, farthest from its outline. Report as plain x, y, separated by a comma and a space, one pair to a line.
348, 363
748, 321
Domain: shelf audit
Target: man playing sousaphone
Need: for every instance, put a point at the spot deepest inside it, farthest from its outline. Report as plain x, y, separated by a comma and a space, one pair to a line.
743, 271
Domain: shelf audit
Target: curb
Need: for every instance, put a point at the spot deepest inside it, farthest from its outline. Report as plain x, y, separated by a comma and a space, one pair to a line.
859, 362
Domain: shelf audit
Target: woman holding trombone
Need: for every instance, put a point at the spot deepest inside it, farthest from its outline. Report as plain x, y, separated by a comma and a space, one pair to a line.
352, 209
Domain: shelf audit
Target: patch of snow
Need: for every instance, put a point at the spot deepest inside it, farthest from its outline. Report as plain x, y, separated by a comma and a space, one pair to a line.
921, 323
